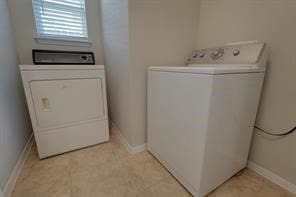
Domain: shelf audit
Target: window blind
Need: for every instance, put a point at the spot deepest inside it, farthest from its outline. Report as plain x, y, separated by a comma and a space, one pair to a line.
60, 18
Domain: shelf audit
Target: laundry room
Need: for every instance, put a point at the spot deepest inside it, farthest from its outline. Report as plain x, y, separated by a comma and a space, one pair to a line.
136, 98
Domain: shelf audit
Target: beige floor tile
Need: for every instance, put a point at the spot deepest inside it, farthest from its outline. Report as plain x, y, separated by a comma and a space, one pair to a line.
272, 190
108, 170
249, 184
147, 169
168, 187
122, 182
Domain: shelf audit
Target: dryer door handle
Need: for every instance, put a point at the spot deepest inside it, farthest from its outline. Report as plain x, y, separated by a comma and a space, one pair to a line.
46, 104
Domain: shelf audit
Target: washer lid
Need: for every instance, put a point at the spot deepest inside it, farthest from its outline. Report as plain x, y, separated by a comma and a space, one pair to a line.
212, 69
61, 67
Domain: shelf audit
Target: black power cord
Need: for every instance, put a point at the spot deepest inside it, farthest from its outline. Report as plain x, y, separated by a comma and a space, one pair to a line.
278, 135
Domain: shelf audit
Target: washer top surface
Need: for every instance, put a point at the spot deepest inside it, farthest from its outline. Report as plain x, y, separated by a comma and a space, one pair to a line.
211, 70
61, 67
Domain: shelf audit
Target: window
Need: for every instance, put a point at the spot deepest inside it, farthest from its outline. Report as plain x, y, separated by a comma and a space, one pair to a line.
65, 19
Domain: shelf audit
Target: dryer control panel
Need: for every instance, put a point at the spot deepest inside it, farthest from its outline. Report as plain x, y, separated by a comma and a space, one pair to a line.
63, 57
234, 53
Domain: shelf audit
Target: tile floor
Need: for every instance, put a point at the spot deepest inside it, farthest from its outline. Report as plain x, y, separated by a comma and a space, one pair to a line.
108, 170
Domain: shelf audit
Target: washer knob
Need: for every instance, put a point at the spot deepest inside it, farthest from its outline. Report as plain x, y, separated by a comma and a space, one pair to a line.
236, 52
201, 54
217, 54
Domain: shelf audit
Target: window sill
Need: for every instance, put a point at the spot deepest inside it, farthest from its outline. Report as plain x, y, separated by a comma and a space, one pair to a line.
62, 41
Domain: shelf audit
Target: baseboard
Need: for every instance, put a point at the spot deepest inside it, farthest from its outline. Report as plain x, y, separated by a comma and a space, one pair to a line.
17, 169
130, 149
272, 177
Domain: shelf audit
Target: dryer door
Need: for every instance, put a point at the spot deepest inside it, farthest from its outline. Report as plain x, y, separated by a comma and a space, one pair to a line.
64, 102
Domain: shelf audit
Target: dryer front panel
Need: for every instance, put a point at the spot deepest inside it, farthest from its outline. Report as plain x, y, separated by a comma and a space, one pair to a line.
64, 102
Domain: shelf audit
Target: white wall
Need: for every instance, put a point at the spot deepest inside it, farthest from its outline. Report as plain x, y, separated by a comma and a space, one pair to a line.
15, 127
138, 34
115, 23
271, 21
25, 31
163, 33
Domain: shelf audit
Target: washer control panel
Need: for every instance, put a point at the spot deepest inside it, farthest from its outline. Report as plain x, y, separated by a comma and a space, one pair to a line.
235, 53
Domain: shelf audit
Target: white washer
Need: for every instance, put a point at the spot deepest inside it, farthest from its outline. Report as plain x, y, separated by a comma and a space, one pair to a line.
67, 105
201, 117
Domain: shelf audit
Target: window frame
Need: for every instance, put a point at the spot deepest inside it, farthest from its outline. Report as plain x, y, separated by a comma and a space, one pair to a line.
62, 40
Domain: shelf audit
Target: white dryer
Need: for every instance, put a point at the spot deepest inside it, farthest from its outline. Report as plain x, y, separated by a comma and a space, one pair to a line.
67, 105
201, 117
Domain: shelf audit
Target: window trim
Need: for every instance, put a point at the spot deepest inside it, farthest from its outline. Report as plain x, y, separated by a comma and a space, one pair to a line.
63, 41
